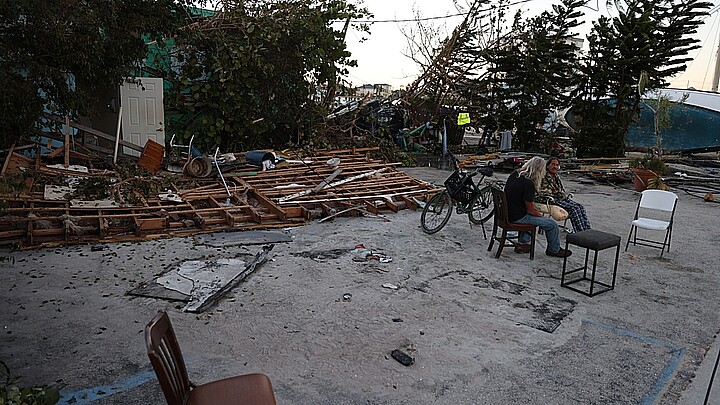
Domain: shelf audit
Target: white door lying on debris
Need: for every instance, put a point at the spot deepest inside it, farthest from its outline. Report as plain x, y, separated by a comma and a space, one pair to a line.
143, 111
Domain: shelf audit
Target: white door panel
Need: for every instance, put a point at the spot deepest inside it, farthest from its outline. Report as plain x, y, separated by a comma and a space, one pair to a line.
143, 111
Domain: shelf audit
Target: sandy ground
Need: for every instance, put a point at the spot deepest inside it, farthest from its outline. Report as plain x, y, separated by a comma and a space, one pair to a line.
322, 326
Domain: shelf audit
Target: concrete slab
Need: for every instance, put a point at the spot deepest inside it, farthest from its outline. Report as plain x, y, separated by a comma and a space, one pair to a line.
322, 326
241, 238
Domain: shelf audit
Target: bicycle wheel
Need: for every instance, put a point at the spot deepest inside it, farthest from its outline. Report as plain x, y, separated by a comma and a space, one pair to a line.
436, 213
483, 207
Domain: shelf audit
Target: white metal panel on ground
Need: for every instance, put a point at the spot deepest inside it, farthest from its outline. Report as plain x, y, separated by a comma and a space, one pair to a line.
143, 111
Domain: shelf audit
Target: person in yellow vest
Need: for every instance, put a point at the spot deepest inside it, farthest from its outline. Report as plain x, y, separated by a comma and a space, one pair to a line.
463, 119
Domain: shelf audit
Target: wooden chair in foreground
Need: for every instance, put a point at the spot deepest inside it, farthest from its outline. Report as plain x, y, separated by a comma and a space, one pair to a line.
501, 221
167, 360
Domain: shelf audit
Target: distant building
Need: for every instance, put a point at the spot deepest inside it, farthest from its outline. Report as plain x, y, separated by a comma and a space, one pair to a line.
344, 95
577, 42
373, 90
365, 90
383, 90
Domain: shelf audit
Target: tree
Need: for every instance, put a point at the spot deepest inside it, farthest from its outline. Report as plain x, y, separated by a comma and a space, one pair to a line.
58, 54
538, 71
245, 77
452, 67
660, 105
646, 35
504, 77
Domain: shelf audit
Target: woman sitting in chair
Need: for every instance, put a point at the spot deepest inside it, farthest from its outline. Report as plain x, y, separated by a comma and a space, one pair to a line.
552, 187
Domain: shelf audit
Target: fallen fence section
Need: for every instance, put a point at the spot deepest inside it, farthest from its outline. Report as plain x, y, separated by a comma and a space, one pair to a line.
302, 189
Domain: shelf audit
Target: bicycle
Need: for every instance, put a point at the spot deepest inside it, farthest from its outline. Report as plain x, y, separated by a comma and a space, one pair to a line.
465, 196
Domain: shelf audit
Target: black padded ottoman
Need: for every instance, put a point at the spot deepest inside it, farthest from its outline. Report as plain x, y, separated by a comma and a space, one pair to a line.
590, 239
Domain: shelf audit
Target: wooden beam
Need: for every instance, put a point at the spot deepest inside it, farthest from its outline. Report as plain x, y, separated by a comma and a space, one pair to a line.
391, 204
337, 183
96, 132
7, 159
268, 204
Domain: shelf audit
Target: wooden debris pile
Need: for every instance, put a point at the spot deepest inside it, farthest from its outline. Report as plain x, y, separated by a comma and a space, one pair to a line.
302, 188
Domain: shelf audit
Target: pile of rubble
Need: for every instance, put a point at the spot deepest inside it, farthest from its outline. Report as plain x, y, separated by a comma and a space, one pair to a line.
253, 194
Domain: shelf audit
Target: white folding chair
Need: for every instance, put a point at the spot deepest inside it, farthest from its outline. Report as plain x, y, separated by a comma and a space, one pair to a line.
652, 205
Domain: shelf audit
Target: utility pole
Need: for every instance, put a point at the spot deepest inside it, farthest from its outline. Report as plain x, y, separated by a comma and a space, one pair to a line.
716, 76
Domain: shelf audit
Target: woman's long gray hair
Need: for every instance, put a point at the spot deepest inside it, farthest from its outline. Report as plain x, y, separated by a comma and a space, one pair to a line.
534, 169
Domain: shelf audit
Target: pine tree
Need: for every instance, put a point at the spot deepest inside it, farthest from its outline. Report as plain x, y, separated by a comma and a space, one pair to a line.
533, 73
548, 77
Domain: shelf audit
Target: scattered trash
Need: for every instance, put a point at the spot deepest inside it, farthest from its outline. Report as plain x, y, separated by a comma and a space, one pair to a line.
8, 260
72, 168
97, 248
402, 358
200, 166
347, 297
169, 195
151, 157
361, 254
375, 269
267, 165
259, 157
390, 286
226, 158
291, 185
397, 320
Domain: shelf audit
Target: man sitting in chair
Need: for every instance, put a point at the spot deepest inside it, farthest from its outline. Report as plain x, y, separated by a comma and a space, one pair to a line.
552, 187
520, 190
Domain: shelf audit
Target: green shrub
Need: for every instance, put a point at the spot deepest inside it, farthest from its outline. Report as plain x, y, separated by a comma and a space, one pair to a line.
649, 162
11, 394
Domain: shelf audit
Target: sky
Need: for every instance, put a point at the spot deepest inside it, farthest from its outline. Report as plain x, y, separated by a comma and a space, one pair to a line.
381, 58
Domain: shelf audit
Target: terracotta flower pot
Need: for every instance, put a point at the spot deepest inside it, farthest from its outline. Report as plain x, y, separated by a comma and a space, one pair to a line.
641, 177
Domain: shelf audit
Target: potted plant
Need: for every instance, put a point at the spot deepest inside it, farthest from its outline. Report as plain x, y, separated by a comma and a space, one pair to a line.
647, 171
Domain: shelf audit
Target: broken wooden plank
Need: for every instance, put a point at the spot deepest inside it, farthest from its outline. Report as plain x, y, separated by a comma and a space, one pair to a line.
337, 183
96, 132
268, 204
329, 217
326, 181
7, 159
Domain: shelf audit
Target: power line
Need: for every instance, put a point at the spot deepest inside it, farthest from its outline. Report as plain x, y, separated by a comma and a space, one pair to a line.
433, 18
710, 31
409, 19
